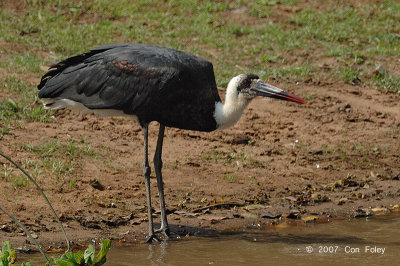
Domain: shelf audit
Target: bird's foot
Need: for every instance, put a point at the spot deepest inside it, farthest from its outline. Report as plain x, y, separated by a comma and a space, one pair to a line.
164, 231
167, 233
152, 237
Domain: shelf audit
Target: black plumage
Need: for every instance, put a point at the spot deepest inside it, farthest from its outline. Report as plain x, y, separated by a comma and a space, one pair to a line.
152, 82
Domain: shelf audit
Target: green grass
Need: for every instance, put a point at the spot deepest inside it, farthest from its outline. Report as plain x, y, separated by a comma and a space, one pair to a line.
361, 155
21, 104
230, 177
4, 131
10, 110
237, 36
291, 73
369, 28
16, 180
208, 28
386, 82
350, 75
22, 63
19, 181
57, 157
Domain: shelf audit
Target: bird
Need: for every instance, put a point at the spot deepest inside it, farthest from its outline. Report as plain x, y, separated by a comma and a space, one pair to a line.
152, 83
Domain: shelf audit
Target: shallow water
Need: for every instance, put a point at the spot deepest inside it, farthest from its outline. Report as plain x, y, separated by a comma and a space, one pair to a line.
345, 242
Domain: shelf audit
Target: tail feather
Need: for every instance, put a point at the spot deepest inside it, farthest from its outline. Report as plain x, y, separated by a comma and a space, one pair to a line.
57, 104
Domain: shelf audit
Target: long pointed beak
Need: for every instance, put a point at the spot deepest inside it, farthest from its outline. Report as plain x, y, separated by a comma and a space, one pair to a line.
267, 90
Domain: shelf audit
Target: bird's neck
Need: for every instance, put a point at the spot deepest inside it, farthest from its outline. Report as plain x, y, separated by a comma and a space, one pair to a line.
228, 114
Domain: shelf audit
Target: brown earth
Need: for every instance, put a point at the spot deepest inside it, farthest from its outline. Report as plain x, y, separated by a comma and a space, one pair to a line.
331, 157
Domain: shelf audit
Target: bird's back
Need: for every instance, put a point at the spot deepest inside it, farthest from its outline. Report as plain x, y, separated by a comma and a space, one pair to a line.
152, 82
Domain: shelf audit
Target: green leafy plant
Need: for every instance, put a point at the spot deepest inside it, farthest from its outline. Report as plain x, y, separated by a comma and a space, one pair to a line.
79, 258
87, 258
7, 254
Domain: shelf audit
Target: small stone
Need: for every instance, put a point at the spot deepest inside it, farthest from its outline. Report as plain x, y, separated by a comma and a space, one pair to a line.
128, 217
290, 198
342, 201
379, 211
255, 207
136, 222
125, 233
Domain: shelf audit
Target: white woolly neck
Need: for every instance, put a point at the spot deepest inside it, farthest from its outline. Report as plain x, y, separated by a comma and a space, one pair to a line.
228, 114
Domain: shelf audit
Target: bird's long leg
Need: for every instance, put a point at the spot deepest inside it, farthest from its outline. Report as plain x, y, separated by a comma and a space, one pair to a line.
164, 229
146, 173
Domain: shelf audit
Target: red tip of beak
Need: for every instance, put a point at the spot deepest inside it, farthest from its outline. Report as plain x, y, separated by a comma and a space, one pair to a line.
267, 90
293, 98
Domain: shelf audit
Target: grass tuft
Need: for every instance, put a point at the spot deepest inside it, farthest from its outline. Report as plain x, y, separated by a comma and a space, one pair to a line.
386, 82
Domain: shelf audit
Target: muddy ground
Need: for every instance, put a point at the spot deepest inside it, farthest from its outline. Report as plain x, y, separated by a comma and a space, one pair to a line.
336, 156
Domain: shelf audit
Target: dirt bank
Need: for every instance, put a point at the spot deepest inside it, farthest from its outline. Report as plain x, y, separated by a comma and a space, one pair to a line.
338, 155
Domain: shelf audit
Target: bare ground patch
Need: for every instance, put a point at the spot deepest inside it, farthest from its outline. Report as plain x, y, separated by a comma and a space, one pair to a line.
331, 157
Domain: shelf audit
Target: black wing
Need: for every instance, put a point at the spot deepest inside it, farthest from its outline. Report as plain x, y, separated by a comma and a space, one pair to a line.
127, 77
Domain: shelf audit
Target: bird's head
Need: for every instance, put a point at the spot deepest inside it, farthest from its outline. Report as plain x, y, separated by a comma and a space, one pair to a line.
241, 89
245, 87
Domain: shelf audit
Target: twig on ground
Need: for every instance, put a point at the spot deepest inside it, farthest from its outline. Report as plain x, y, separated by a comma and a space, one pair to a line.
43, 195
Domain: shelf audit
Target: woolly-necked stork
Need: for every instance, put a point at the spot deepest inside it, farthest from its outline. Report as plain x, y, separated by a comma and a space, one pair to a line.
152, 83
